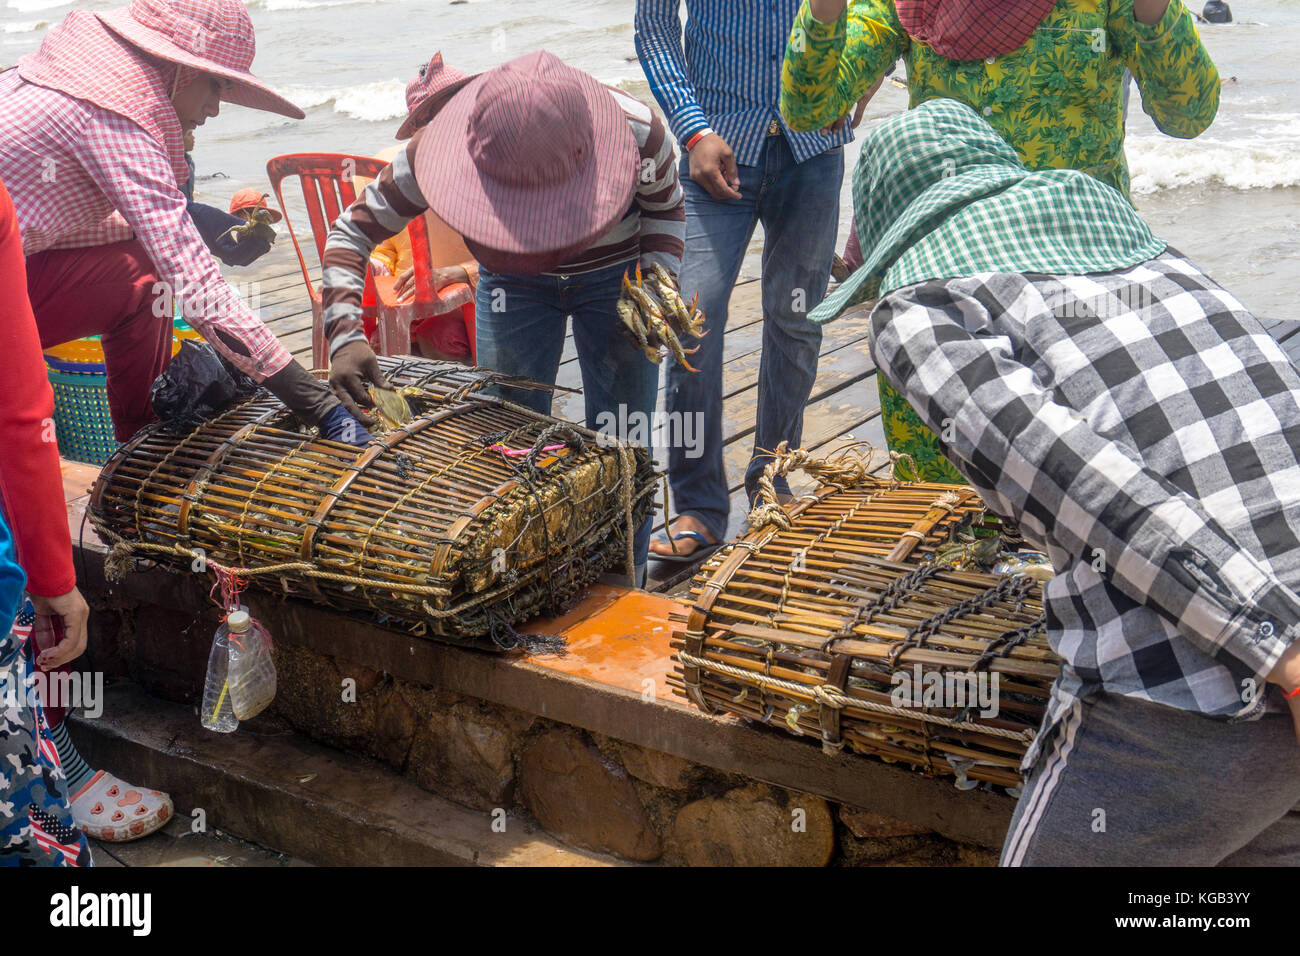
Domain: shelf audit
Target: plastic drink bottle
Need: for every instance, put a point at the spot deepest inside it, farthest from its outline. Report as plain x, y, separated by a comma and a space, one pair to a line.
252, 668
217, 712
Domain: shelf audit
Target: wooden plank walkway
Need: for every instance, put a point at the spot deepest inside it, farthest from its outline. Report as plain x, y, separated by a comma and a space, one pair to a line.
844, 406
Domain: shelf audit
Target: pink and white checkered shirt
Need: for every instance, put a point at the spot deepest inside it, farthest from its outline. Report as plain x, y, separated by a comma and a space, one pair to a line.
82, 176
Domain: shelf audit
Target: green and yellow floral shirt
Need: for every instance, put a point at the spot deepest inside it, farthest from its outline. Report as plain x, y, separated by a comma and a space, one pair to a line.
1057, 99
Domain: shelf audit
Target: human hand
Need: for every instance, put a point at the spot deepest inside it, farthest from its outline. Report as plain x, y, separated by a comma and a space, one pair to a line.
67, 613
1149, 11
351, 367
827, 11
1286, 674
857, 112
713, 166
379, 268
404, 288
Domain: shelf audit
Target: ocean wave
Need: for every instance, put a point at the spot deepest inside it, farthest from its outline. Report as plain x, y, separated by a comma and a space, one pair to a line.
27, 26
31, 6
376, 102
271, 6
1166, 163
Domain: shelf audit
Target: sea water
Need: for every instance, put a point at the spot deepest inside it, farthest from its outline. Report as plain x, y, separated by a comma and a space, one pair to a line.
1229, 199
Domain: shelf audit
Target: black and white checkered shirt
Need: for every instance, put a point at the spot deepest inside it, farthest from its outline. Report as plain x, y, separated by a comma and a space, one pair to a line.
1143, 428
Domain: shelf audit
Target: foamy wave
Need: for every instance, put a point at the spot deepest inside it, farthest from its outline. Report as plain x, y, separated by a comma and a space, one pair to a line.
375, 102
25, 27
1165, 163
31, 6
274, 5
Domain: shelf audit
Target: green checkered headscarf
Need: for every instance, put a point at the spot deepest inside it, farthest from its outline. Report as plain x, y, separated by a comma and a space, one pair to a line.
938, 194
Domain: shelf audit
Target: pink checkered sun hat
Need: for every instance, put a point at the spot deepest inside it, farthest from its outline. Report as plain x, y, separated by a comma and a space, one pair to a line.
530, 158
213, 36
436, 83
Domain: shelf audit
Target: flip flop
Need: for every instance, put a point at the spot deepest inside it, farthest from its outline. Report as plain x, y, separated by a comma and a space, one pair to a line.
110, 809
705, 549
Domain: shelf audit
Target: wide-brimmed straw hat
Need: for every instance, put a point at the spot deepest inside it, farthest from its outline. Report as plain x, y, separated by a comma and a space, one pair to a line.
435, 83
531, 158
213, 36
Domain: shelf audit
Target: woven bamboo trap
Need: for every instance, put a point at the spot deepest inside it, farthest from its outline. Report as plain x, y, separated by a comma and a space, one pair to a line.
474, 516
853, 616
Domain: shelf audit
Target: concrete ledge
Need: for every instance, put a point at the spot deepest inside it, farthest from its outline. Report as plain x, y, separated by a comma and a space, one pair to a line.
295, 796
609, 698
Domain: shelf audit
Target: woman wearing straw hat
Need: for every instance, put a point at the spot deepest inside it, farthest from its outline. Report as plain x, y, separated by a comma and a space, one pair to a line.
92, 130
1139, 424
559, 185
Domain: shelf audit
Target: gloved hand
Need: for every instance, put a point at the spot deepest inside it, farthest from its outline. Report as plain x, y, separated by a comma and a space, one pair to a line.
315, 404
352, 366
214, 227
339, 425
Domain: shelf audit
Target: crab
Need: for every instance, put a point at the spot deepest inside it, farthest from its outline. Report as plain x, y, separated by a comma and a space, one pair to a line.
258, 222
653, 316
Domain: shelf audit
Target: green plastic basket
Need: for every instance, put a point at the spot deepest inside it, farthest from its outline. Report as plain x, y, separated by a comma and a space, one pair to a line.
76, 370
82, 424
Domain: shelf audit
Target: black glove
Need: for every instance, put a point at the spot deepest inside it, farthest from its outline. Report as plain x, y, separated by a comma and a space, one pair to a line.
351, 367
214, 227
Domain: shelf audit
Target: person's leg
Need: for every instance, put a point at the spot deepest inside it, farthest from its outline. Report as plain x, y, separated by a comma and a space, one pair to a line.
108, 291
717, 234
620, 385
32, 793
799, 209
1123, 782
520, 331
853, 257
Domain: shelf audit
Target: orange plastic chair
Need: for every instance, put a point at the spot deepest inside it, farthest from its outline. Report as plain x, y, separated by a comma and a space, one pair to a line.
327, 186
396, 319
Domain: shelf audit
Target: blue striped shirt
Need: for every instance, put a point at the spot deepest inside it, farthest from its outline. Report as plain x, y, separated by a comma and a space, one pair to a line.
729, 75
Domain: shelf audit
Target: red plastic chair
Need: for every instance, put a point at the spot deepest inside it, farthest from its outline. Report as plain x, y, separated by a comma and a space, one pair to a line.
327, 186
396, 320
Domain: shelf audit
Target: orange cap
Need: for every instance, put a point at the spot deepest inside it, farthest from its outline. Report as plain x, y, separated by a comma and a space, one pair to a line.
252, 199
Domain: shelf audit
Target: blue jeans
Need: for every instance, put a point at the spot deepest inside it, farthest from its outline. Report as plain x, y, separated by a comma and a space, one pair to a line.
521, 323
798, 205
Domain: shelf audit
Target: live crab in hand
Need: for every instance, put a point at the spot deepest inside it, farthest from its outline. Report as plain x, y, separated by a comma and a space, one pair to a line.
257, 222
653, 317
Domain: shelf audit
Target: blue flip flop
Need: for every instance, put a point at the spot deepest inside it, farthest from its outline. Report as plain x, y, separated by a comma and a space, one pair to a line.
705, 549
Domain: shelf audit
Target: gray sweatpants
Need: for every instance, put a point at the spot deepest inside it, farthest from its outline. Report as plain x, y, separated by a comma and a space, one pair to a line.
1124, 782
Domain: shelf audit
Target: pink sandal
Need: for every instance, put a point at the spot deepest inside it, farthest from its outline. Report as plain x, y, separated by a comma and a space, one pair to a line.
107, 808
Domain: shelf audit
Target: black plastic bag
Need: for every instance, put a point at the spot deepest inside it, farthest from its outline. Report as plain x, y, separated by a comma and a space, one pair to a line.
197, 384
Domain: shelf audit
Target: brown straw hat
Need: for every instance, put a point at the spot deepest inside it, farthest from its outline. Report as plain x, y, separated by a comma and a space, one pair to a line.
529, 159
436, 83
212, 36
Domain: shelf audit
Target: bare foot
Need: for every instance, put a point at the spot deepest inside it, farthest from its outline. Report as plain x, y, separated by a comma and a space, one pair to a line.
686, 546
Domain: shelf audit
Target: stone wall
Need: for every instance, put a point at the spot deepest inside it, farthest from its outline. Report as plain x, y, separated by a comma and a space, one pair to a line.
584, 788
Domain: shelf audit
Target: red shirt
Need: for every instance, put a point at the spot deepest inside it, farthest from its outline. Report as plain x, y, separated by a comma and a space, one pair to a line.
31, 485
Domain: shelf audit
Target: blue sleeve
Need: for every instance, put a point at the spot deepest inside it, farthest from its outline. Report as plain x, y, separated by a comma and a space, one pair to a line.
658, 33
12, 578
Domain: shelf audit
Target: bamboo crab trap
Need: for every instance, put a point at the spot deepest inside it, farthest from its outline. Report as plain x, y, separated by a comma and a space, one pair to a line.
475, 515
847, 617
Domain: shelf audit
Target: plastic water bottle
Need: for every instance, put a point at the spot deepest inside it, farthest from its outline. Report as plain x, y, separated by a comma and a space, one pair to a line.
252, 668
217, 712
